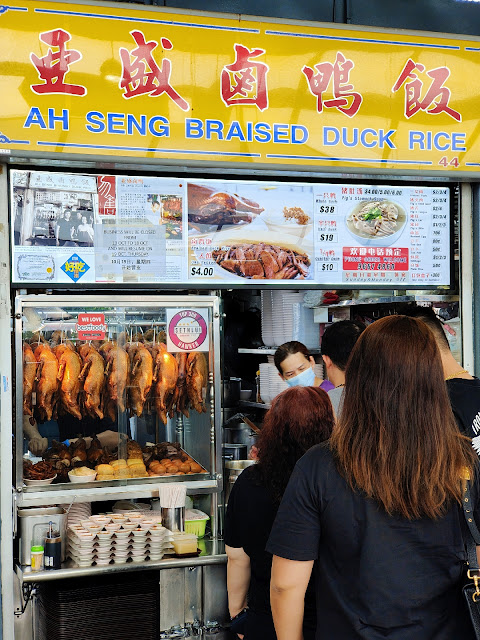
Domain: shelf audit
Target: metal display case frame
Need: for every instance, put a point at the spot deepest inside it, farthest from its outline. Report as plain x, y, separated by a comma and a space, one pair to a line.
210, 483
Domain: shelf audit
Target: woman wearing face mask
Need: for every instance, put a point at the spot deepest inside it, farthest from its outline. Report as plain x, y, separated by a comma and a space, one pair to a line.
295, 365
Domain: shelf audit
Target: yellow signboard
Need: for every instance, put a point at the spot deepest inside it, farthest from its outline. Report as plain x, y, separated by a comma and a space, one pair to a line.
182, 87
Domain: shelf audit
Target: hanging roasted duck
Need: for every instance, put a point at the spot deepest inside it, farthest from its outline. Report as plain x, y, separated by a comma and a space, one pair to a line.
46, 381
92, 375
197, 379
141, 377
29, 372
180, 395
117, 374
165, 378
69, 369
207, 206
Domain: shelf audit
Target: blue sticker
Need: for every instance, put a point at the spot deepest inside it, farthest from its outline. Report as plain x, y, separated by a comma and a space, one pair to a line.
75, 267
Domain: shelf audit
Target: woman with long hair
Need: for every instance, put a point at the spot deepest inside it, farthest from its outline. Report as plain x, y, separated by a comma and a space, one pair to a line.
378, 508
299, 418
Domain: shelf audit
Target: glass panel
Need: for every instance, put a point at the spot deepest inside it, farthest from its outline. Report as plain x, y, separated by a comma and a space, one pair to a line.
106, 400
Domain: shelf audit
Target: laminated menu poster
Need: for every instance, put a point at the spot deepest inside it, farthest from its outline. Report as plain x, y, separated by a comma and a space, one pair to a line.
86, 229
52, 222
139, 236
326, 234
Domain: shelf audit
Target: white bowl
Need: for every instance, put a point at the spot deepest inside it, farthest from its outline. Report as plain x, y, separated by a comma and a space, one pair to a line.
373, 241
122, 535
74, 478
104, 535
245, 394
39, 483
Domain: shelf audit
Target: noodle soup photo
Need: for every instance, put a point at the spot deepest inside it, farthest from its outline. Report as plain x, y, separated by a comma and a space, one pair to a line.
377, 222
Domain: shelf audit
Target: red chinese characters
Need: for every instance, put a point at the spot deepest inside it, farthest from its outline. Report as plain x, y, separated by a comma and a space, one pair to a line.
142, 75
106, 195
245, 80
436, 97
345, 99
53, 67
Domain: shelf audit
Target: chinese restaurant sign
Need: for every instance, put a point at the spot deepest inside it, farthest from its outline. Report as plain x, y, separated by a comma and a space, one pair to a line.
85, 229
149, 84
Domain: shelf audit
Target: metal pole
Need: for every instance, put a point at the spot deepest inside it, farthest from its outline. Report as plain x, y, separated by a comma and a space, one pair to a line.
6, 413
466, 276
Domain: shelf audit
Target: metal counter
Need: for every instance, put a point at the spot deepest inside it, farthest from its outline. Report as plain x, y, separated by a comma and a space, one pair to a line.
214, 554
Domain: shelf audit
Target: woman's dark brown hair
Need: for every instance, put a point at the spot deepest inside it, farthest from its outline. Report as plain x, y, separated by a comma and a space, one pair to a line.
299, 418
287, 349
397, 439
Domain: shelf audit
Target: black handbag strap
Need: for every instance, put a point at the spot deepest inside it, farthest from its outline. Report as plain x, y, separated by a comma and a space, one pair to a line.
472, 539
467, 504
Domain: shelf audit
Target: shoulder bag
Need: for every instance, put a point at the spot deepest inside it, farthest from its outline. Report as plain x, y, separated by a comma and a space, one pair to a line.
471, 590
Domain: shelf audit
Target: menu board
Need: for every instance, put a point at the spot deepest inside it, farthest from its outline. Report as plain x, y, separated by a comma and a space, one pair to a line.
68, 228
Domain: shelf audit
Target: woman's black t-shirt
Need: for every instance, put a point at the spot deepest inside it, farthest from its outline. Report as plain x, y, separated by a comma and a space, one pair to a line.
249, 519
377, 576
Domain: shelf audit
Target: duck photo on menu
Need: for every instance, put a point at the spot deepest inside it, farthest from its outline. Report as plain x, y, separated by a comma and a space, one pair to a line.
272, 242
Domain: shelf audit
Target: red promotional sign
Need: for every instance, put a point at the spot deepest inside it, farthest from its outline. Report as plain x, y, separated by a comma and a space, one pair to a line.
375, 259
91, 326
106, 196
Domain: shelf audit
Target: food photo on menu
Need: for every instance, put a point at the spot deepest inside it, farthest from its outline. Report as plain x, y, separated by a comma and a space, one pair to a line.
377, 220
166, 210
260, 231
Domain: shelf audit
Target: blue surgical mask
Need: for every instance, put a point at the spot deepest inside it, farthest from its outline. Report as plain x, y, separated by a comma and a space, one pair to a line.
304, 379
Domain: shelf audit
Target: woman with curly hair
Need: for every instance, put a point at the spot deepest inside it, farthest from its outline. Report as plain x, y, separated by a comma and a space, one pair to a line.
299, 418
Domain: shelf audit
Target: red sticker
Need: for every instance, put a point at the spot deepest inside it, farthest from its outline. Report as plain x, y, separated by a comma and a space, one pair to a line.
91, 326
375, 259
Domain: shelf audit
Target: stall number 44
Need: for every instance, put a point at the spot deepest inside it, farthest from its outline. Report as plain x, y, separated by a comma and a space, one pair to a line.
446, 163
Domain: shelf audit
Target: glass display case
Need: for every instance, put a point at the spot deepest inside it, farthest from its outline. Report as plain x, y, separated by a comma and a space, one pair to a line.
119, 394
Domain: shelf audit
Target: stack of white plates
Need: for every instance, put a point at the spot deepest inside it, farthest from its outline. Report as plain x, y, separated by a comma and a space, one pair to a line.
280, 335
267, 318
318, 368
277, 384
125, 505
265, 382
284, 318
78, 512
271, 384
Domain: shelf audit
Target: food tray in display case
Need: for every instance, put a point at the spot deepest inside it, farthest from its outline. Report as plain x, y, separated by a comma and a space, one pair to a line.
117, 394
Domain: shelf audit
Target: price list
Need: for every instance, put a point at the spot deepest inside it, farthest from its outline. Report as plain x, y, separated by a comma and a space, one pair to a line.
381, 235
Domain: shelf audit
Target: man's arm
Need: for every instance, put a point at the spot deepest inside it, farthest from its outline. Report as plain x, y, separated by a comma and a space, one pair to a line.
287, 596
238, 579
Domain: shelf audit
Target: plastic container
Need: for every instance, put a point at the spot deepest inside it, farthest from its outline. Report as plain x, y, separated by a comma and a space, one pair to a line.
184, 543
196, 525
36, 558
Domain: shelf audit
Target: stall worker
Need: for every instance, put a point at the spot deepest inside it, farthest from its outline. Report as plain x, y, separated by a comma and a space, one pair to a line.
296, 366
